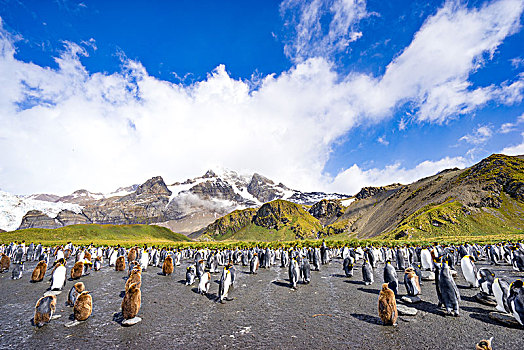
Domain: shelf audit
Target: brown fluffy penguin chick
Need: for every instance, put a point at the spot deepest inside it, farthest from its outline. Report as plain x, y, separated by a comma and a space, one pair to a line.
132, 301
39, 272
120, 264
5, 261
167, 267
44, 309
74, 293
134, 277
87, 255
387, 306
484, 344
132, 254
83, 306
77, 270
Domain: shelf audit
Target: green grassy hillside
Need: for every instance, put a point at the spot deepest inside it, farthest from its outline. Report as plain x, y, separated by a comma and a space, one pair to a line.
97, 234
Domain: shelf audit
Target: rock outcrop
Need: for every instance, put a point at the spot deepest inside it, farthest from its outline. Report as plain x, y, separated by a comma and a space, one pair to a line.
327, 211
36, 218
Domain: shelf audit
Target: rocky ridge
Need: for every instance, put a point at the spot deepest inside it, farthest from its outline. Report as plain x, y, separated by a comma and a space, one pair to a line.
183, 206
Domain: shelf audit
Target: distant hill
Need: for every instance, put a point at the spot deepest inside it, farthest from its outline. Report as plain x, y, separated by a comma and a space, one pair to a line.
487, 198
98, 234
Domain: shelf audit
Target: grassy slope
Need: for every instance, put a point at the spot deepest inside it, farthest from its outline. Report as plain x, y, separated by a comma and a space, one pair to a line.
451, 218
98, 234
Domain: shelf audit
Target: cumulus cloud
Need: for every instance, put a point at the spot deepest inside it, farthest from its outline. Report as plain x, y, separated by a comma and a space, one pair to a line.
354, 178
66, 127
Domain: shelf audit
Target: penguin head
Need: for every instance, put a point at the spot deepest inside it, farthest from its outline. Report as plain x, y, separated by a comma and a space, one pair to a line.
484, 344
385, 286
516, 284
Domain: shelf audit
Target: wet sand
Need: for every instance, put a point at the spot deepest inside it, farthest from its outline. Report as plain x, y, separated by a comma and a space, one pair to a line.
332, 312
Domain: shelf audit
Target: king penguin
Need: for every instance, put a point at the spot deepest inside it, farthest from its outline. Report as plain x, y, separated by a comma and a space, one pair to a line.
225, 283
348, 266
83, 306
390, 277
469, 271
501, 293
448, 290
294, 273
58, 277
516, 300
74, 293
44, 309
39, 272
254, 264
205, 281
411, 282
367, 273
190, 275
387, 306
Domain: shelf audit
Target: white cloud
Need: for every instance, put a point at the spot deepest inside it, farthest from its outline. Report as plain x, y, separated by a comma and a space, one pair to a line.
509, 127
354, 178
479, 136
313, 39
382, 140
516, 150
65, 128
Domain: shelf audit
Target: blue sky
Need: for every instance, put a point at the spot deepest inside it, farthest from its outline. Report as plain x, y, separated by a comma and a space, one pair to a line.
321, 95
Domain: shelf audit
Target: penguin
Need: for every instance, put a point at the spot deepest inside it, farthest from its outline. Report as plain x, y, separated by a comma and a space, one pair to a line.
167, 266
516, 300
411, 281
284, 259
469, 271
225, 283
83, 306
97, 265
426, 260
517, 262
44, 309
448, 290
132, 301
134, 277
316, 259
203, 285
190, 275
17, 271
120, 264
254, 264
348, 266
305, 271
484, 344
131, 255
390, 277
144, 260
367, 273
5, 261
294, 273
39, 272
387, 306
74, 292
58, 277
77, 270
485, 280
501, 293
113, 258
200, 267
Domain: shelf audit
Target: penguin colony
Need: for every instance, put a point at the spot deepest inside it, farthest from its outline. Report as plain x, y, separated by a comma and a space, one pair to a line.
411, 261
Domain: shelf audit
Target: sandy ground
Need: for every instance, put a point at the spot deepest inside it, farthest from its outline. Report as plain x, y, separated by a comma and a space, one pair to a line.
332, 312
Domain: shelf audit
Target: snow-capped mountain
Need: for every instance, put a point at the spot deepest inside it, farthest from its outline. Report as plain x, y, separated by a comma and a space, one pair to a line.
182, 206
13, 208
